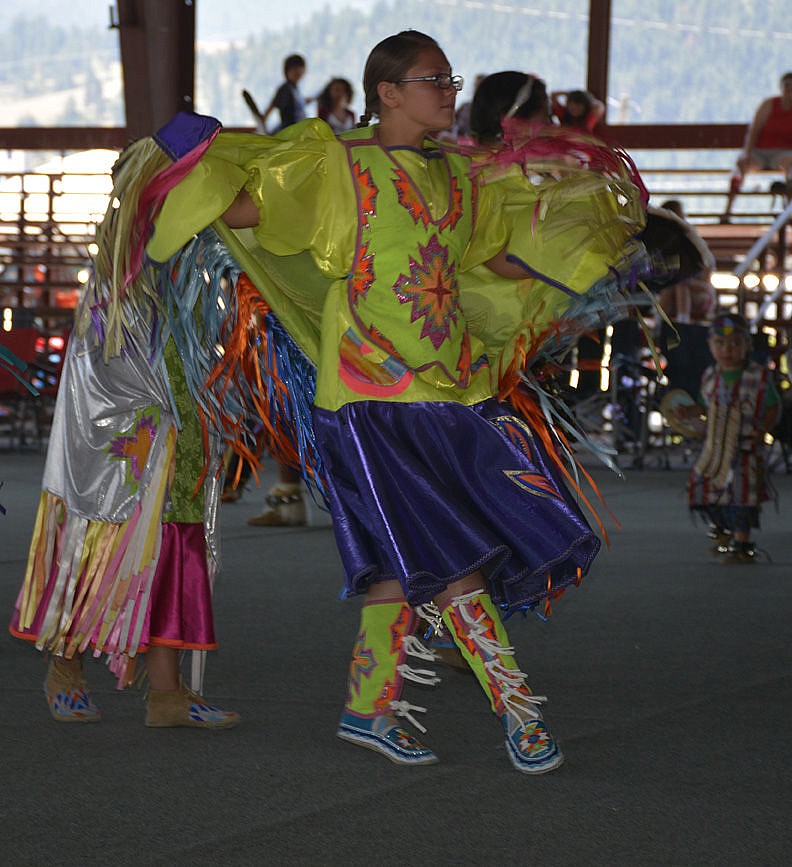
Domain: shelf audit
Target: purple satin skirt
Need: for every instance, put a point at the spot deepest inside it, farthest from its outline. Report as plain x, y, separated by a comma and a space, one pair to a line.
427, 493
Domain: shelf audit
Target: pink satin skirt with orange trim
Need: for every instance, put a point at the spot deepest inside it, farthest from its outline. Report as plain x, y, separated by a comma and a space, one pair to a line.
179, 613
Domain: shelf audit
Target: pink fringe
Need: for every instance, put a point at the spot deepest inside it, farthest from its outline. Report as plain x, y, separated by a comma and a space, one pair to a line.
152, 199
525, 143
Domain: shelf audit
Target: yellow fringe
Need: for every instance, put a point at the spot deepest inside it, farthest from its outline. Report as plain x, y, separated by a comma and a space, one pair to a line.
135, 168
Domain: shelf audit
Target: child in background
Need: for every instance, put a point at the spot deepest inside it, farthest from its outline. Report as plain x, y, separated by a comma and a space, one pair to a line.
288, 99
728, 482
333, 105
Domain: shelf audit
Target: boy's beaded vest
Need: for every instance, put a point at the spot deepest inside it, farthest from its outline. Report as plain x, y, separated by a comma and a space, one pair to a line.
402, 334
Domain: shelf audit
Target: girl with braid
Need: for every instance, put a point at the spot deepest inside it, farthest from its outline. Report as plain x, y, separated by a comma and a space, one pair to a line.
446, 503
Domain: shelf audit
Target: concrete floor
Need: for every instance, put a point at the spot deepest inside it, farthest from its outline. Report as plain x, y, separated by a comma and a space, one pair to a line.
668, 676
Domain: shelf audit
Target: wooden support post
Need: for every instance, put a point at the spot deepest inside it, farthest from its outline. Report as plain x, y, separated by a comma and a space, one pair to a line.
599, 50
157, 39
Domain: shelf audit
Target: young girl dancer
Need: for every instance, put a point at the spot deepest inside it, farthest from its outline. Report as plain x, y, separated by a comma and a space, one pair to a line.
444, 501
429, 513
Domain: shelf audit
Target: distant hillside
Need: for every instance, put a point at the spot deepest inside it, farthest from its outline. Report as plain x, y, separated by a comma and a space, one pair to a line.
67, 14
671, 60
52, 74
235, 21
229, 20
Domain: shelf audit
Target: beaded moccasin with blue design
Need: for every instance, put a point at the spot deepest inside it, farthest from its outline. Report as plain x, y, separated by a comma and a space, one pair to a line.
532, 749
377, 673
67, 693
169, 708
474, 623
384, 735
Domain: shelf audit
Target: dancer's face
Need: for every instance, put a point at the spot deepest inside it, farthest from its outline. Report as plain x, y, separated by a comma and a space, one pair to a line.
421, 103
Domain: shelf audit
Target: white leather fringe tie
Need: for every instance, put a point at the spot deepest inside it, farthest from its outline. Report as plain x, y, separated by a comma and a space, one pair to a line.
424, 676
517, 699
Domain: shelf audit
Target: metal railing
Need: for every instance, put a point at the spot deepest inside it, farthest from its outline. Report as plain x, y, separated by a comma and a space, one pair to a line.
47, 222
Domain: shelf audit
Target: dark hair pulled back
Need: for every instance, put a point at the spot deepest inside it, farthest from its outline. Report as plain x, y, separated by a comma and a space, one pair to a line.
495, 96
389, 60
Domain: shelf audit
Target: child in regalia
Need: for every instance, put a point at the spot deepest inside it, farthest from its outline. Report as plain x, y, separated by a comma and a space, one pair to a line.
728, 482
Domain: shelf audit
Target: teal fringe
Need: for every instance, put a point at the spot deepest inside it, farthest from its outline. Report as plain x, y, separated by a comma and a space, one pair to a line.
197, 287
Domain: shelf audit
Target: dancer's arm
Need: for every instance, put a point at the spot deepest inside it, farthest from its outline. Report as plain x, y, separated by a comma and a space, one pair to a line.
242, 213
501, 266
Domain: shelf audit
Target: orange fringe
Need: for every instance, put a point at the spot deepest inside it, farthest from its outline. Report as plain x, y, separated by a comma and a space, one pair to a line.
244, 345
548, 607
527, 407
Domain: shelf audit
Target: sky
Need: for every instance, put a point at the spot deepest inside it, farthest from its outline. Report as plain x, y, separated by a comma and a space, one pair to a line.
229, 22
275, 15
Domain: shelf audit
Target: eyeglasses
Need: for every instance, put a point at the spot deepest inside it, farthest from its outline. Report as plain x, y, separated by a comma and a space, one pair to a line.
443, 80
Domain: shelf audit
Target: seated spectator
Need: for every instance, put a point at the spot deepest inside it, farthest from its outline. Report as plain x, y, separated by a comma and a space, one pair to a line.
768, 142
577, 108
690, 296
